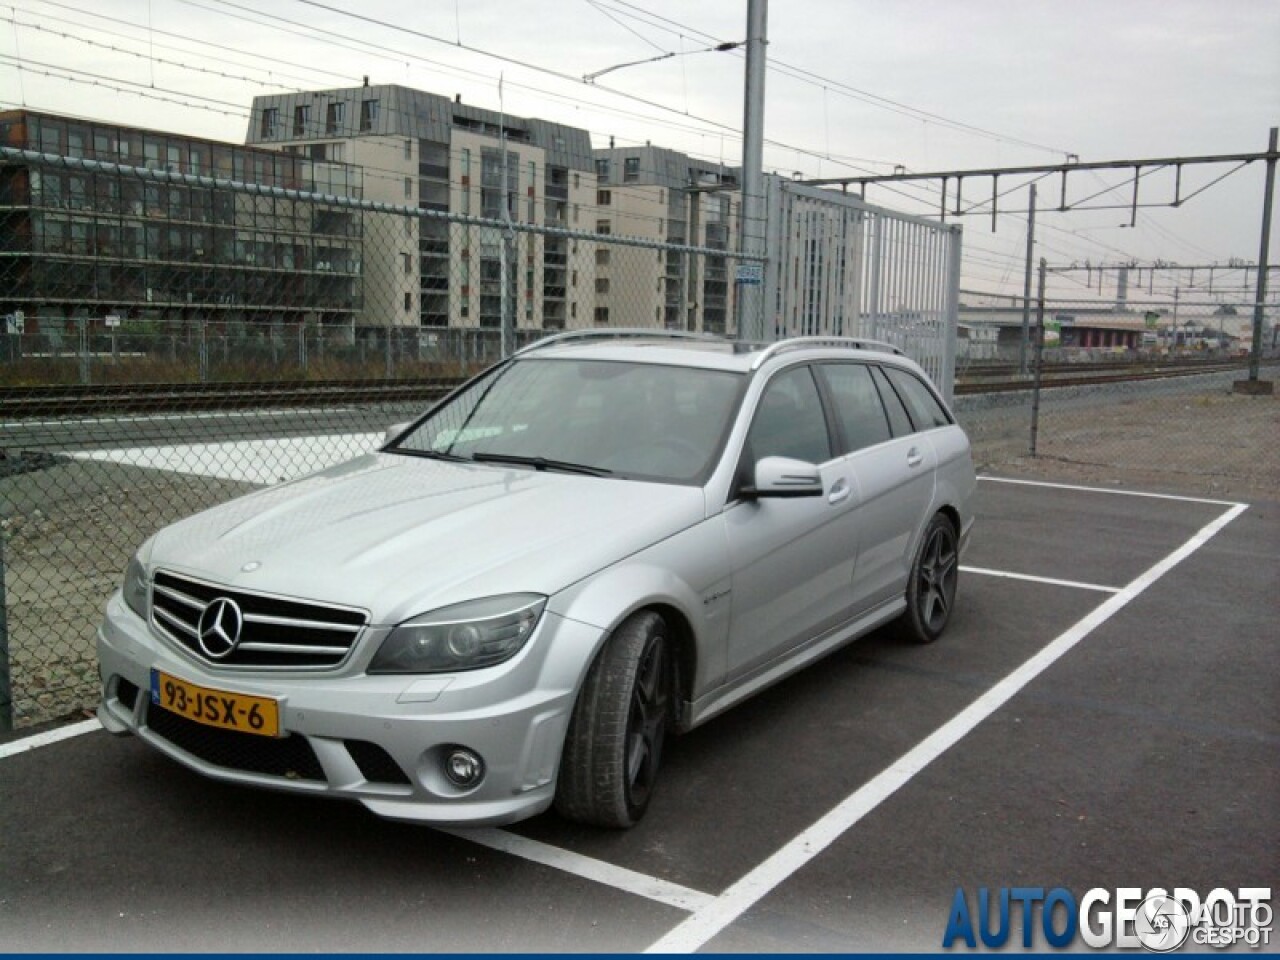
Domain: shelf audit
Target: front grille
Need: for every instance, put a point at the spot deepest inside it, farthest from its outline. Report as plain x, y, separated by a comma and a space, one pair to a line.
276, 633
375, 764
290, 757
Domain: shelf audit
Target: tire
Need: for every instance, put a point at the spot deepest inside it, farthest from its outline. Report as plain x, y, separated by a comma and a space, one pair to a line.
931, 589
613, 749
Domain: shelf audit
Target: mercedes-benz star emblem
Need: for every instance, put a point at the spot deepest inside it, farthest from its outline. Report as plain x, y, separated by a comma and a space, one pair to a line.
218, 631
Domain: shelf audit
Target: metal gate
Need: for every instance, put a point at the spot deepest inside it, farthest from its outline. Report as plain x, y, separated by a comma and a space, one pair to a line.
841, 267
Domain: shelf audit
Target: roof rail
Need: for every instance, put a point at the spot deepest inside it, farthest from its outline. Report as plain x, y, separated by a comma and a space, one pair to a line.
797, 343
618, 333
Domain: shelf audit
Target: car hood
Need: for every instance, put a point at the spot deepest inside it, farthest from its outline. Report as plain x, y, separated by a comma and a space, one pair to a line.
399, 535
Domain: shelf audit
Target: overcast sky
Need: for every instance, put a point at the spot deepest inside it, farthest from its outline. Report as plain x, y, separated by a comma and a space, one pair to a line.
1123, 79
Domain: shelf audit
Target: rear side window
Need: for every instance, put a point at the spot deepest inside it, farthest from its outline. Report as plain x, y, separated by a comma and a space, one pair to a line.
859, 412
898, 418
789, 421
926, 412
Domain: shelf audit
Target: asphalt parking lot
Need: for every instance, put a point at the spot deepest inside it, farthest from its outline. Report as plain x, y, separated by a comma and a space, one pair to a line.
1103, 712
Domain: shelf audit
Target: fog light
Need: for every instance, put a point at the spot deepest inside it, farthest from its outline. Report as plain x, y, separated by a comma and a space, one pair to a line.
463, 767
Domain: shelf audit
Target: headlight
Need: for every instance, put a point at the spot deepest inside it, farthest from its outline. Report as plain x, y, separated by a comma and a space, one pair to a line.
465, 636
135, 587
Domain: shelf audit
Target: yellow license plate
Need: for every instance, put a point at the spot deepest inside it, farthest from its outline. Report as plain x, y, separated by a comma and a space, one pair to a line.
216, 708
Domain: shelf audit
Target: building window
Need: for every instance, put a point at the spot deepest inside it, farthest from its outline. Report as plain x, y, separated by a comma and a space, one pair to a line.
368, 115
602, 316
408, 149
408, 263
270, 119
408, 301
602, 170
301, 118
408, 188
466, 165
77, 141
602, 284
604, 198
604, 226
631, 169
334, 117
577, 181
602, 257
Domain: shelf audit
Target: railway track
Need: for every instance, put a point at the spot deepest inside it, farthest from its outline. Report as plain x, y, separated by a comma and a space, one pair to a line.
1068, 375
19, 403
1006, 371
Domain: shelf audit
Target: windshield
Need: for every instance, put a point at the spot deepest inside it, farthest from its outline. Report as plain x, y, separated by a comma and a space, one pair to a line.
636, 420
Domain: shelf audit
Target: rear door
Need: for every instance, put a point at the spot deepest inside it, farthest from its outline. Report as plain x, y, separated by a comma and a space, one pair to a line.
892, 468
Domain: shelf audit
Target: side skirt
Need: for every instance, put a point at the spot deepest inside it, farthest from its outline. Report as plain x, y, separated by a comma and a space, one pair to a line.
722, 698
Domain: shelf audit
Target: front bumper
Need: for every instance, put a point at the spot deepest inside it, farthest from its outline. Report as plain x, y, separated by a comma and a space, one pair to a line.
380, 740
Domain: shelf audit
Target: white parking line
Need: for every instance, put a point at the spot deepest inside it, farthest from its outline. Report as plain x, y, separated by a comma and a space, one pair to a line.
49, 736
639, 884
710, 914
598, 871
252, 461
1122, 493
703, 925
1049, 580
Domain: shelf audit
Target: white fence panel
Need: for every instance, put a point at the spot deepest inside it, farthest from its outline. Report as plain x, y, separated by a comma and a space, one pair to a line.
843, 268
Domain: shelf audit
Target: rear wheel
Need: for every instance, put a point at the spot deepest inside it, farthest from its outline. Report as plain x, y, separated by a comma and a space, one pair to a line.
931, 591
613, 750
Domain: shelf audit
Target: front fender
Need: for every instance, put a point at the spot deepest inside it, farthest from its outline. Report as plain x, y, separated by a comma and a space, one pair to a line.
688, 573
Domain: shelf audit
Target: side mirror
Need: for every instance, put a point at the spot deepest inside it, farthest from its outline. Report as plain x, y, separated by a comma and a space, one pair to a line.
784, 477
394, 431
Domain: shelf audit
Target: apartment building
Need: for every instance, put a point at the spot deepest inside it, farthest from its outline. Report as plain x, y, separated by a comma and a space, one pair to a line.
91, 243
666, 196
433, 153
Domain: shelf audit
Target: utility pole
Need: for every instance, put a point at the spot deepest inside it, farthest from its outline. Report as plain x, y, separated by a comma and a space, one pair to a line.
1039, 363
1026, 283
507, 334
749, 283
1173, 347
1253, 385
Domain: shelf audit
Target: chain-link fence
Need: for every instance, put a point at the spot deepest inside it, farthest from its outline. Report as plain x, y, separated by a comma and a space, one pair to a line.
171, 341
166, 350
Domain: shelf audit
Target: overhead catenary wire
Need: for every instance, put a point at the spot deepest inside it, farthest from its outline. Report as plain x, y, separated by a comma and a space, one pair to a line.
1069, 236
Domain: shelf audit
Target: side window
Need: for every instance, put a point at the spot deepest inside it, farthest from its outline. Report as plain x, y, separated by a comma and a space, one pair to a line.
857, 404
925, 410
789, 421
898, 418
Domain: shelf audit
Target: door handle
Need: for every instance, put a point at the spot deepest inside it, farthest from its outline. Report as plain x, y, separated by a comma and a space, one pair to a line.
914, 457
839, 492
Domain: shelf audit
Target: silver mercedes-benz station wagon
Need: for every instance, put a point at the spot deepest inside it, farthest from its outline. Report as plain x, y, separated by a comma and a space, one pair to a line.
610, 536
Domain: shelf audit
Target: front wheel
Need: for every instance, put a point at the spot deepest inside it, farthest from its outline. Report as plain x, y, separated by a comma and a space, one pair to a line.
613, 750
931, 591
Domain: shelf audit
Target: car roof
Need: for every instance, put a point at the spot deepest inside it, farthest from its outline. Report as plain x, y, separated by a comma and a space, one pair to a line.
707, 352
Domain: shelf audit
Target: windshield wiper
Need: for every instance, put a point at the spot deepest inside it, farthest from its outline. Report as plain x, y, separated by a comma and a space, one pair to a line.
541, 463
428, 454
